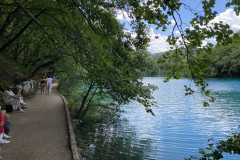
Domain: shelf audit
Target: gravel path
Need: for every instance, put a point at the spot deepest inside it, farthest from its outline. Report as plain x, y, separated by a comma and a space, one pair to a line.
41, 132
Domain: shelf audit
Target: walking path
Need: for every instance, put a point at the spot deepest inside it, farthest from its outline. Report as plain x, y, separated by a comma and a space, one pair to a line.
41, 132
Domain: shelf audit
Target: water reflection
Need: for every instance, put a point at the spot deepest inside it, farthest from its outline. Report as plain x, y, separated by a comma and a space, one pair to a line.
115, 140
181, 125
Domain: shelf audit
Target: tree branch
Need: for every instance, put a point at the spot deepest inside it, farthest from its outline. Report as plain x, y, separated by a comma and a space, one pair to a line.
39, 24
4, 46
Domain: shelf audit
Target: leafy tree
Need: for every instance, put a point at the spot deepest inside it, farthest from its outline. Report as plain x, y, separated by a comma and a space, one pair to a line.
216, 150
225, 60
38, 34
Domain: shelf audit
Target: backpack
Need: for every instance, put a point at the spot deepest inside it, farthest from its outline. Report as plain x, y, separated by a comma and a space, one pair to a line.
7, 127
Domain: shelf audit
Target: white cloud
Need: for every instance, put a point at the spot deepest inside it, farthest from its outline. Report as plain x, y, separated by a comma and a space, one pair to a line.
158, 44
177, 32
122, 15
172, 22
229, 17
211, 40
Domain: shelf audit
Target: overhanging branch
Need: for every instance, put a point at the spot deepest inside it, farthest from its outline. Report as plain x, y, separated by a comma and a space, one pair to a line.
39, 24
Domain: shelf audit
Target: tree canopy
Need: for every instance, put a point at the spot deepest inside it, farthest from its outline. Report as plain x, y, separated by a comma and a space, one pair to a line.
85, 36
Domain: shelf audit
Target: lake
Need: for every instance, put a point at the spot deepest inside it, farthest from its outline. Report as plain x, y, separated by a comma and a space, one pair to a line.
180, 128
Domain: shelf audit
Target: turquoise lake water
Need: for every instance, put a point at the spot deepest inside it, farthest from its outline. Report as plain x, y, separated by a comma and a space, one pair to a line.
181, 125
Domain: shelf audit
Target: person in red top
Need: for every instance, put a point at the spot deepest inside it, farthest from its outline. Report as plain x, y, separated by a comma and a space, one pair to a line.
43, 83
2, 134
1, 131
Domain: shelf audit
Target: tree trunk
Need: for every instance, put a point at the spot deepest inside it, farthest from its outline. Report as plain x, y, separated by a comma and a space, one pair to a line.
88, 105
84, 100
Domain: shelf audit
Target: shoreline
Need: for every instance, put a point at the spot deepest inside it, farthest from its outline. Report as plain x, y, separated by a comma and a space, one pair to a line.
73, 142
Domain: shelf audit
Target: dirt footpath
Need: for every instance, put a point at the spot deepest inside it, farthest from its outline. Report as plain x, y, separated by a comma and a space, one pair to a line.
41, 132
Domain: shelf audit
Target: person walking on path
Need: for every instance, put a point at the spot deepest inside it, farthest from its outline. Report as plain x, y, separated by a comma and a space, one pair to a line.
43, 83
49, 84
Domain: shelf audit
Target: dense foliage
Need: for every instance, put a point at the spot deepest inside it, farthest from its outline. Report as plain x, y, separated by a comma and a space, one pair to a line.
215, 150
37, 35
224, 62
77, 40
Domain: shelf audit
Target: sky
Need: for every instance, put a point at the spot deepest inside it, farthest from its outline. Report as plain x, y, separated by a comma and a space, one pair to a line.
226, 15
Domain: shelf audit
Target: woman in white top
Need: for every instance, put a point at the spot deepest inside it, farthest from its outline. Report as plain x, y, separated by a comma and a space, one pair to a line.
49, 84
9, 98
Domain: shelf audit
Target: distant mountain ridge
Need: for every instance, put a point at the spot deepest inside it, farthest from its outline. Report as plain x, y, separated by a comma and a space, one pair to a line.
156, 56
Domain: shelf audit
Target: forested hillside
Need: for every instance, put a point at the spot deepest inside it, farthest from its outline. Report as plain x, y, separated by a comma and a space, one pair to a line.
224, 62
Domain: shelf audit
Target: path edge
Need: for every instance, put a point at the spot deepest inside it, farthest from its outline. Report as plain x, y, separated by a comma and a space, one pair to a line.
73, 143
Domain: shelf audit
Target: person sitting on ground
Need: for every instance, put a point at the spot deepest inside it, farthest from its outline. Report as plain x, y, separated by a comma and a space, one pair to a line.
17, 91
9, 98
